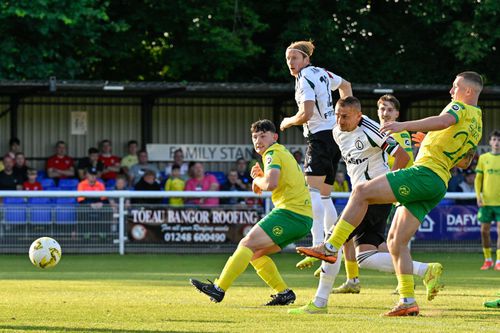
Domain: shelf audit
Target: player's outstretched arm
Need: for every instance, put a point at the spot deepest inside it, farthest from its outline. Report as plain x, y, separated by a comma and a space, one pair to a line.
345, 89
305, 113
401, 159
434, 123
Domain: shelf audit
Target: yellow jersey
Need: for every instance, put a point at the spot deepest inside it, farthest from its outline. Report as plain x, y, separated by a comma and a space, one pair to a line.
442, 150
175, 184
404, 140
487, 183
291, 192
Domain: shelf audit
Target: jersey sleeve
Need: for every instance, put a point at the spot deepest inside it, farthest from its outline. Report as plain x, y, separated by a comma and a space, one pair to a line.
306, 92
384, 142
271, 161
335, 81
479, 166
456, 110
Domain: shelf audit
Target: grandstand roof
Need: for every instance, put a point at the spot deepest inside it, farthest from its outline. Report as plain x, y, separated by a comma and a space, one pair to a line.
158, 89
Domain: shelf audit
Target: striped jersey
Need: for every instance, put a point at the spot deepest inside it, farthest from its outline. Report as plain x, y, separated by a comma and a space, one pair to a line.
316, 84
364, 149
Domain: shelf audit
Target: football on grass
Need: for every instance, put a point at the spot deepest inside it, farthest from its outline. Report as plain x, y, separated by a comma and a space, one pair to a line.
45, 252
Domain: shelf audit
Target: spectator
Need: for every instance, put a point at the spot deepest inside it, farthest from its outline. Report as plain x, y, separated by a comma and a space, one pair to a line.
467, 186
111, 162
14, 147
201, 182
340, 184
179, 160
90, 183
60, 165
131, 158
456, 178
299, 158
7, 180
31, 184
243, 174
91, 161
233, 184
20, 168
137, 170
147, 182
121, 184
175, 183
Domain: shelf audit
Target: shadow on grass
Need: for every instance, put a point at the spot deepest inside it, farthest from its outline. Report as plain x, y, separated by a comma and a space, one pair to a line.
82, 329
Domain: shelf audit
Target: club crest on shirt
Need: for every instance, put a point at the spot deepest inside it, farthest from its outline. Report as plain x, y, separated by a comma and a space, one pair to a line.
455, 107
359, 145
269, 159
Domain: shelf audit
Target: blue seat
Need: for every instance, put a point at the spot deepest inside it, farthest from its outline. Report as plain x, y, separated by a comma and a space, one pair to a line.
40, 201
68, 183
41, 174
446, 202
65, 212
40, 210
221, 176
52, 188
110, 183
47, 182
15, 210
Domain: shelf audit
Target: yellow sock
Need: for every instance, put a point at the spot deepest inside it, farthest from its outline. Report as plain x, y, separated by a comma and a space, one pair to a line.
235, 266
340, 233
487, 253
498, 254
351, 269
267, 270
406, 285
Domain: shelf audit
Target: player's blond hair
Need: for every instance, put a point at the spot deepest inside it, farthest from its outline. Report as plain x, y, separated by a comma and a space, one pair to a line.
303, 46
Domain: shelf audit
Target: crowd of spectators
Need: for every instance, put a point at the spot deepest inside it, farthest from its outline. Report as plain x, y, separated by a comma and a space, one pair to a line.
101, 170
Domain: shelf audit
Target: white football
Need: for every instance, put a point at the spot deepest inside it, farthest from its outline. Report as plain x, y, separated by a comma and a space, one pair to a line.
45, 252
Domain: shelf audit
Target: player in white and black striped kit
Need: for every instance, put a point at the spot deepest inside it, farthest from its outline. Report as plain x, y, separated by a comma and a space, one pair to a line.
364, 150
313, 94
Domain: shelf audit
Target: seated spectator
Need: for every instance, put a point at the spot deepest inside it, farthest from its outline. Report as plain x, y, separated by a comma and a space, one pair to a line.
467, 186
200, 181
137, 170
175, 183
91, 161
121, 184
60, 165
456, 178
111, 162
299, 158
148, 182
8, 181
340, 184
31, 184
178, 160
20, 168
14, 147
243, 174
131, 158
90, 183
233, 184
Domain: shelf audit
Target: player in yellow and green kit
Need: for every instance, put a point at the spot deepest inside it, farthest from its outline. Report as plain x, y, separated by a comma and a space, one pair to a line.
487, 186
289, 221
388, 111
452, 140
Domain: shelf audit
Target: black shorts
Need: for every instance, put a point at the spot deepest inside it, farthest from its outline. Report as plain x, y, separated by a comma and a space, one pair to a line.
372, 228
322, 156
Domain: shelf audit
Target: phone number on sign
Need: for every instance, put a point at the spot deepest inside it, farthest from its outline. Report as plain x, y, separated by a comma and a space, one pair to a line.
196, 237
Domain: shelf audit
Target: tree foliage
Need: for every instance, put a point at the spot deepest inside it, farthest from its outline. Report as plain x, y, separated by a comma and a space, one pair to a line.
398, 41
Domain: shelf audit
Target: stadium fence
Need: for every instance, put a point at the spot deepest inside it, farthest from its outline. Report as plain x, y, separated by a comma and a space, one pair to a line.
158, 227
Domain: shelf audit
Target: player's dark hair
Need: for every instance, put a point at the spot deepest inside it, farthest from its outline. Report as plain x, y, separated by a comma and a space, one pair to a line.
473, 77
389, 98
263, 125
349, 102
495, 133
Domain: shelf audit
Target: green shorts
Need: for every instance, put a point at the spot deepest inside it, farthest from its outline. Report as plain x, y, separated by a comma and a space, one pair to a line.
417, 188
285, 227
488, 214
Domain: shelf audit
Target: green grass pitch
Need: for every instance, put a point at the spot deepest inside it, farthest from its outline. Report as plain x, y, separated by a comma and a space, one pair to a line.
151, 293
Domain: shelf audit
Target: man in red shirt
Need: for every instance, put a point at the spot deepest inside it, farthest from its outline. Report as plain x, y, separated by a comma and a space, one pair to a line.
60, 165
111, 162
